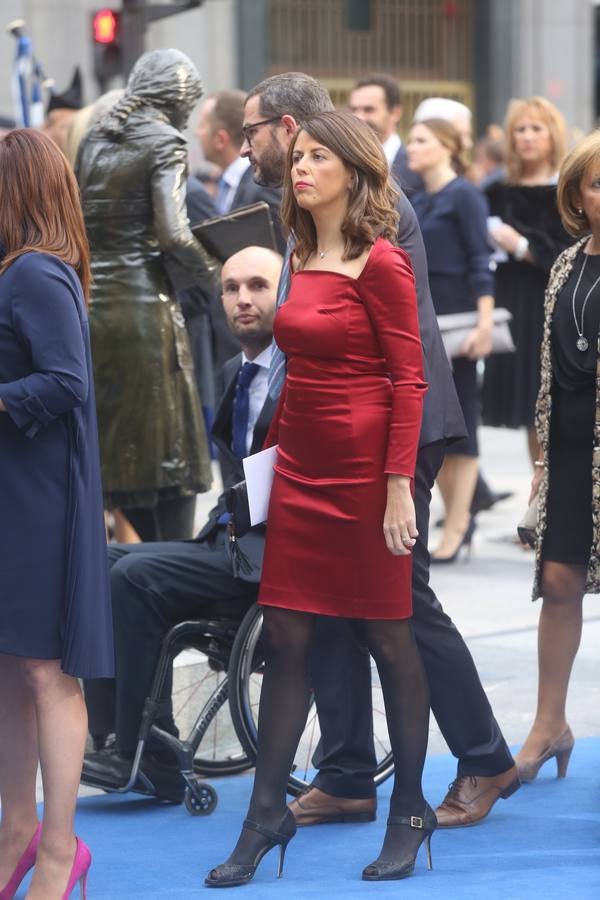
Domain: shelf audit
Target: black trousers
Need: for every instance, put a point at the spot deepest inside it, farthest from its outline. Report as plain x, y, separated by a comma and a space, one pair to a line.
345, 756
154, 586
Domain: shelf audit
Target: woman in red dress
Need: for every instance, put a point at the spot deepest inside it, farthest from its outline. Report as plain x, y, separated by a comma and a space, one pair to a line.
341, 518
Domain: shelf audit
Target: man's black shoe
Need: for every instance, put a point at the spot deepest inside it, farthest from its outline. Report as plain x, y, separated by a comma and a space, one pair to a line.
111, 769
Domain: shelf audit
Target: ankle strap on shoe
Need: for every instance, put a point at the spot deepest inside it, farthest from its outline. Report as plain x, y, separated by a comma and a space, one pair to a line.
266, 832
413, 821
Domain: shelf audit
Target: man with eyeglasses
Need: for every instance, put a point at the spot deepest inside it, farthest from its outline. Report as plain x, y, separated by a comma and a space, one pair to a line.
220, 134
343, 789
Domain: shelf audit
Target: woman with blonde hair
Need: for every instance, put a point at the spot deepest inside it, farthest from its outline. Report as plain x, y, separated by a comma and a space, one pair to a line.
452, 215
567, 473
531, 235
341, 520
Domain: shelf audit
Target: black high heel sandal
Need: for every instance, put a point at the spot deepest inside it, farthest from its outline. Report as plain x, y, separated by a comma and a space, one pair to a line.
233, 874
464, 544
389, 871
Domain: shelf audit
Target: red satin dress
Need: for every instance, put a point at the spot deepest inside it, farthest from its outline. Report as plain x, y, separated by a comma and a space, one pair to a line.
349, 414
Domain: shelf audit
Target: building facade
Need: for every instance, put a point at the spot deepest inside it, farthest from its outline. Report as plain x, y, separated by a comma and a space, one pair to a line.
482, 52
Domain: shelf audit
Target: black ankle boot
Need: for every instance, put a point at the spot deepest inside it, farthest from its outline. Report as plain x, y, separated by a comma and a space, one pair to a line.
233, 874
402, 867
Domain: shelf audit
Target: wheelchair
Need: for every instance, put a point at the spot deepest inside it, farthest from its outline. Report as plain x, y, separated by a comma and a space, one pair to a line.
222, 739
211, 746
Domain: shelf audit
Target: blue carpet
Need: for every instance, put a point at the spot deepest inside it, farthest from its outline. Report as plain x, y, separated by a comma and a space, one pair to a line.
544, 842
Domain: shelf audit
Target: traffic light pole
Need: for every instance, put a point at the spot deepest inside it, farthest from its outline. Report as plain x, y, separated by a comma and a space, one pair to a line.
133, 18
136, 15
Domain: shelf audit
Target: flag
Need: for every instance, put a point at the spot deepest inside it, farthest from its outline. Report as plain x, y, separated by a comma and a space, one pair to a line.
22, 71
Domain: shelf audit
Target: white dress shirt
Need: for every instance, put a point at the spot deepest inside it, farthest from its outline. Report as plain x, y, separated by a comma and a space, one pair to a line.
257, 391
391, 147
232, 176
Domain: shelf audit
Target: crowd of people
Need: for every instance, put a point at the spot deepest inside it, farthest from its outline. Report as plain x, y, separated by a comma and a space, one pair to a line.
126, 357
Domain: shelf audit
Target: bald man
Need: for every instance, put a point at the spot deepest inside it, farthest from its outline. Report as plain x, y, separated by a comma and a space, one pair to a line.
156, 585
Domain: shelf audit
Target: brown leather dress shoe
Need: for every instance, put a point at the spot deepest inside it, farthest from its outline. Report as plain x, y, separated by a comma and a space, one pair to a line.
471, 797
315, 807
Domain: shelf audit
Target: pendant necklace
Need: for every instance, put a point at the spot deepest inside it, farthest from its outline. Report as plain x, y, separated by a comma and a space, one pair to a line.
322, 253
582, 341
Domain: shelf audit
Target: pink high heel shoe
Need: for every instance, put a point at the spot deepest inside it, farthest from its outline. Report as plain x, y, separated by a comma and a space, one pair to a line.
26, 863
79, 872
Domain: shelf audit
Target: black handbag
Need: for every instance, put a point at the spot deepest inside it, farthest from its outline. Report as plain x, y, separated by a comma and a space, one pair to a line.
236, 503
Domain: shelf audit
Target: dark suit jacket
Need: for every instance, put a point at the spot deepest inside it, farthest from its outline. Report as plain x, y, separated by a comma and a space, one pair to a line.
250, 192
200, 205
442, 416
402, 175
252, 544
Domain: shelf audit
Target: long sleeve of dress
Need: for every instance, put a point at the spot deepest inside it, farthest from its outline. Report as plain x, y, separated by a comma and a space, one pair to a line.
46, 322
472, 212
387, 288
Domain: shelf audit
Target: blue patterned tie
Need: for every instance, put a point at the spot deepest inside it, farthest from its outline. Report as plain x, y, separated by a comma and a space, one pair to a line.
241, 409
277, 368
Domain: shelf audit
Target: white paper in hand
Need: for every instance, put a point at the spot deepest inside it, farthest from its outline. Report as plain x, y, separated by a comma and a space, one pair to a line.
258, 470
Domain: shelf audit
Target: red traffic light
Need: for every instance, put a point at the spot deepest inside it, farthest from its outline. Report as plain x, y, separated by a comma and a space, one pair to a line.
105, 24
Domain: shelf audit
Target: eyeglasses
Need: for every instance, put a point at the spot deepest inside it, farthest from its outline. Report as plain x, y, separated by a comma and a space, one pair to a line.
249, 130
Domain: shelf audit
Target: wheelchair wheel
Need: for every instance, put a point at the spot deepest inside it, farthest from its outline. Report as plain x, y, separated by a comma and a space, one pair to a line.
245, 679
200, 800
199, 685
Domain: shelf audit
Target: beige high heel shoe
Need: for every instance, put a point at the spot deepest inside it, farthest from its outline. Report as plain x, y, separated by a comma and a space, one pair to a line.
560, 749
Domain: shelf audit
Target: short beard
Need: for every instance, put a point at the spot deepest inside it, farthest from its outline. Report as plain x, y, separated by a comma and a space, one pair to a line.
269, 172
259, 337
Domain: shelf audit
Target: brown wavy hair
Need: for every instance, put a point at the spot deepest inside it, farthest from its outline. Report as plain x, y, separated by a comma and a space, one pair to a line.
372, 203
553, 119
39, 203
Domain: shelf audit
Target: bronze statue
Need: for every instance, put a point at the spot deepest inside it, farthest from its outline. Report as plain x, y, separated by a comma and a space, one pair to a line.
132, 171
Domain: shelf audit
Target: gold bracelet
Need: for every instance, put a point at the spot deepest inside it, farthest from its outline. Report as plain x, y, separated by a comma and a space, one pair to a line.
540, 464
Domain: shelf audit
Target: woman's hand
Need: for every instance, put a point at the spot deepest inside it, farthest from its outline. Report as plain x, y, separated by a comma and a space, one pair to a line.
478, 343
506, 237
399, 522
538, 477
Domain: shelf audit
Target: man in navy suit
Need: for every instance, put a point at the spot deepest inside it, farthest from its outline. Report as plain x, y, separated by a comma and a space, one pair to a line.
376, 99
156, 585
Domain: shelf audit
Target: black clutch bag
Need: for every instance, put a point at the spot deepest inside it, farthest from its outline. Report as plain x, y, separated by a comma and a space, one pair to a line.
236, 501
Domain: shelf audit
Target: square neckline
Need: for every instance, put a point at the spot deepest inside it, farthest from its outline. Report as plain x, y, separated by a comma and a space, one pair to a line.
333, 271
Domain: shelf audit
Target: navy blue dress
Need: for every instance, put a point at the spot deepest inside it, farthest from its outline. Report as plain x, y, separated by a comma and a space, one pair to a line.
454, 226
54, 584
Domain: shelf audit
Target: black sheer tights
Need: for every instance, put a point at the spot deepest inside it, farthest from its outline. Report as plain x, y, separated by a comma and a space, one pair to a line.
282, 716
406, 697
284, 707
